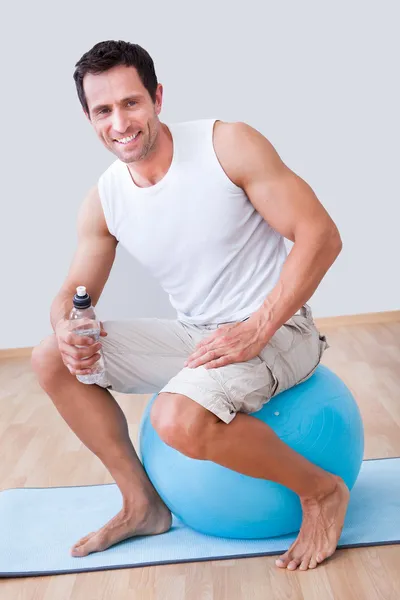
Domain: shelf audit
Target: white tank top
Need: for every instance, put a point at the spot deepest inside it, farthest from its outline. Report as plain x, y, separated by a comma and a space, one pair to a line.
196, 231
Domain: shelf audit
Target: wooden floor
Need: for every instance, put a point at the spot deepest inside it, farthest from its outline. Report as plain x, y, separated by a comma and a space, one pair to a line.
38, 449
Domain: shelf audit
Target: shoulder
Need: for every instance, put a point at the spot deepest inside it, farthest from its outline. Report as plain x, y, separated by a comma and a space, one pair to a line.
242, 150
91, 215
113, 170
237, 132
91, 205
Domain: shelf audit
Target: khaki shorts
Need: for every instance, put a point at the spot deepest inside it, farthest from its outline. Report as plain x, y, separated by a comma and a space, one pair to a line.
147, 355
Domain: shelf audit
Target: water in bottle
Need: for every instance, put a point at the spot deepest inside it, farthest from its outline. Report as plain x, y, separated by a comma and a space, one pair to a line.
83, 321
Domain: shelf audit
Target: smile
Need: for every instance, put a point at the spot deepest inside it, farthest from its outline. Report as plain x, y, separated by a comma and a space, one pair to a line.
127, 140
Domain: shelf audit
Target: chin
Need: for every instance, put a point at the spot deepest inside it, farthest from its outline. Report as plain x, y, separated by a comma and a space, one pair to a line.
126, 160
130, 158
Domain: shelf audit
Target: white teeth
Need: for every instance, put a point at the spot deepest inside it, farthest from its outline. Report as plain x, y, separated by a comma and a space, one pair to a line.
128, 139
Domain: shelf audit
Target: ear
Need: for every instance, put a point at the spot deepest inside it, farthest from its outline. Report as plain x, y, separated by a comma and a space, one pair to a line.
159, 98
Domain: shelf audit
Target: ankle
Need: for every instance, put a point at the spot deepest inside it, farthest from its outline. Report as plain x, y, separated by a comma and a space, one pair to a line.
141, 501
138, 508
142, 512
322, 487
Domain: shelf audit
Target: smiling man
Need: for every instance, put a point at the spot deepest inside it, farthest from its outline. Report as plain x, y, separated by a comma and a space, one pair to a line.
205, 205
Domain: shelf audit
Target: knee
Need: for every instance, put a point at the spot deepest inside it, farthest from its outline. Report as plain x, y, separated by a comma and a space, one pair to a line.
182, 424
47, 362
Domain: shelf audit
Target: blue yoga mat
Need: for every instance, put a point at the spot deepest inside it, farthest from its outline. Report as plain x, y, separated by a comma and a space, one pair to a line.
38, 526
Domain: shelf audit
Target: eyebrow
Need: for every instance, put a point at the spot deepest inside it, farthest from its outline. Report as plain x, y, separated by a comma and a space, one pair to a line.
131, 97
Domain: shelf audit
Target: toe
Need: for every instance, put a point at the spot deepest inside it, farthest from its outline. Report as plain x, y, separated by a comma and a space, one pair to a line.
313, 562
81, 550
85, 539
292, 566
282, 561
76, 549
305, 563
93, 544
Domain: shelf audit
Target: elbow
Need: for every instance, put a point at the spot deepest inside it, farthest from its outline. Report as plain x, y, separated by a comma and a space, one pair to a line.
334, 241
324, 238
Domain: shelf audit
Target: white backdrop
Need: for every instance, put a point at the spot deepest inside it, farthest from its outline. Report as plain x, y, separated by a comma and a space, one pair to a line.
319, 80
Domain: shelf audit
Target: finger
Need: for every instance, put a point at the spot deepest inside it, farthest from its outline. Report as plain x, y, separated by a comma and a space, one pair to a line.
193, 357
75, 352
74, 339
78, 372
83, 363
220, 346
84, 372
201, 360
226, 359
208, 340
219, 362
77, 365
197, 355
79, 353
67, 352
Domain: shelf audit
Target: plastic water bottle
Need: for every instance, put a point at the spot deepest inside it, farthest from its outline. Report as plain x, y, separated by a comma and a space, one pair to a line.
83, 321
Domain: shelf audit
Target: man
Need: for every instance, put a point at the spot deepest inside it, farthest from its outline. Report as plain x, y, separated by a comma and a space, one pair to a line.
205, 205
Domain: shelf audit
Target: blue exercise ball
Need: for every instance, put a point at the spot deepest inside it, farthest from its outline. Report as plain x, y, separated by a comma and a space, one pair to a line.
318, 418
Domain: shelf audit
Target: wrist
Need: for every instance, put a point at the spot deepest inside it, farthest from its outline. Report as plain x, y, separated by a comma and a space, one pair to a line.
262, 321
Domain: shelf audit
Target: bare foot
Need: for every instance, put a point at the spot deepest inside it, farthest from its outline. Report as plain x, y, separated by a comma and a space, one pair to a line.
323, 520
152, 520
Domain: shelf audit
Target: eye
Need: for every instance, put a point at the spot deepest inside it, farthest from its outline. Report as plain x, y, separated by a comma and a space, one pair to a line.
102, 111
132, 102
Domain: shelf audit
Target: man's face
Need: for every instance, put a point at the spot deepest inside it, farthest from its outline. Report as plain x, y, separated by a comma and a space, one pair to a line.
122, 112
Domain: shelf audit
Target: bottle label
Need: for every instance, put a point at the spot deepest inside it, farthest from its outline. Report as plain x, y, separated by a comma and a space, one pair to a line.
85, 327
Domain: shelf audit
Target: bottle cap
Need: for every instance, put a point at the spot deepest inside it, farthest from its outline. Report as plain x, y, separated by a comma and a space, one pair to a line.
81, 299
81, 290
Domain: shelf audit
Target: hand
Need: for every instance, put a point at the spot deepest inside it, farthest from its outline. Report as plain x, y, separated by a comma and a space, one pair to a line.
237, 342
77, 360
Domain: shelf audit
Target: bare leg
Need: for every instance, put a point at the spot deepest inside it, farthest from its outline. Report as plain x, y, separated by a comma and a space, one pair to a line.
323, 496
98, 421
261, 453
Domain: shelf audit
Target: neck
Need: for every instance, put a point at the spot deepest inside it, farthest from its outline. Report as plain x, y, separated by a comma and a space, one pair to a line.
154, 166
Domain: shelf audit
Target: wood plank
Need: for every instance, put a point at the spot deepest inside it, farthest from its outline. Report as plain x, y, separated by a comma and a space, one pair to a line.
361, 319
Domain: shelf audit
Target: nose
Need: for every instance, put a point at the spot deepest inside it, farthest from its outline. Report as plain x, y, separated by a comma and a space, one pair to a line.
119, 121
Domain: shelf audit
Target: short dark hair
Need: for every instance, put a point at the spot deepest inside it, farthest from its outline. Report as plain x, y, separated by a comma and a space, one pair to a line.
105, 55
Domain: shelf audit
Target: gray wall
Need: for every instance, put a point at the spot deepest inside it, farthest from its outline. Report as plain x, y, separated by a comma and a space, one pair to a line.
319, 80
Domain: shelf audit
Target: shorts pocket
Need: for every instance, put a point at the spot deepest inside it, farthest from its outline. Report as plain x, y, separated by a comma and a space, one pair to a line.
294, 364
323, 345
247, 385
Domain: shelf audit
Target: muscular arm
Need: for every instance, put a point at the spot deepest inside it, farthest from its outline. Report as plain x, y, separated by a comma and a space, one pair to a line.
290, 206
92, 261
